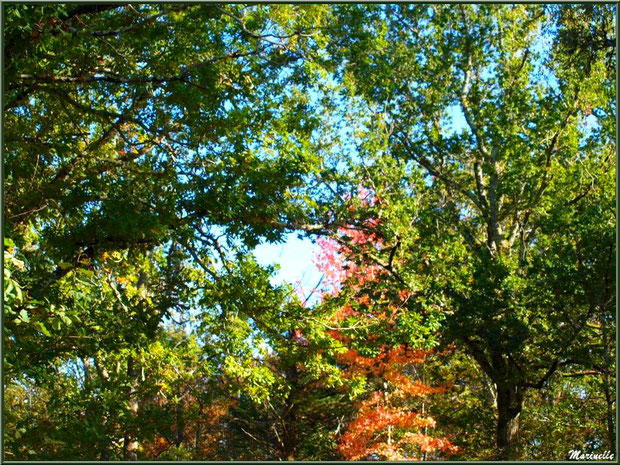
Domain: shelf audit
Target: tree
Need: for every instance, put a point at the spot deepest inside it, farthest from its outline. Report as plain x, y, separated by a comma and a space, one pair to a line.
382, 356
466, 412
569, 410
78, 407
484, 179
150, 140
386, 426
149, 148
277, 367
135, 138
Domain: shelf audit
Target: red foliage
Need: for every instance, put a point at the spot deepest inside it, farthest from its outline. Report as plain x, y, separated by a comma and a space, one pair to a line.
387, 425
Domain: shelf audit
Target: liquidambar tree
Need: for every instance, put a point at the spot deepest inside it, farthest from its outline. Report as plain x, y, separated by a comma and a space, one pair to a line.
381, 355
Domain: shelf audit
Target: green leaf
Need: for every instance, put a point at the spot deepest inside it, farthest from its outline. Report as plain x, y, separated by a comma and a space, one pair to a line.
25, 317
43, 329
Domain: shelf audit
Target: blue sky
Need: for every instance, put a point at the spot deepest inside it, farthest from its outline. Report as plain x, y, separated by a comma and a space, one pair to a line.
295, 257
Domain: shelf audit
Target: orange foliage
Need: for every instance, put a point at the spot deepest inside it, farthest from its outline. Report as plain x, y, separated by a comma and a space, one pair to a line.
386, 427
389, 425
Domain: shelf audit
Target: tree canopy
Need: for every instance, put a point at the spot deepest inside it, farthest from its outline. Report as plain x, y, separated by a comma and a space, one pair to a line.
454, 163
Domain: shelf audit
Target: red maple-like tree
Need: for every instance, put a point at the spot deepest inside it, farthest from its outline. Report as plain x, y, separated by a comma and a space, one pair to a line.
391, 422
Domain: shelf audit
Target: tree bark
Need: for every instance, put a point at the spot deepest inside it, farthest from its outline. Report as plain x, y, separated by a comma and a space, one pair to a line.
509, 406
198, 432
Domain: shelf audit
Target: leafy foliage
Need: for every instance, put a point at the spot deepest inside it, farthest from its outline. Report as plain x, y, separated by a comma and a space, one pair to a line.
388, 424
454, 164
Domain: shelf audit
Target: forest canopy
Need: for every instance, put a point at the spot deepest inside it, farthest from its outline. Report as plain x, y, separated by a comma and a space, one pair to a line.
454, 164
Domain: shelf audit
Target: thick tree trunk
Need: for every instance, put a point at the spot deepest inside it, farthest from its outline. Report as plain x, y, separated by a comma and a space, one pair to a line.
508, 396
509, 406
